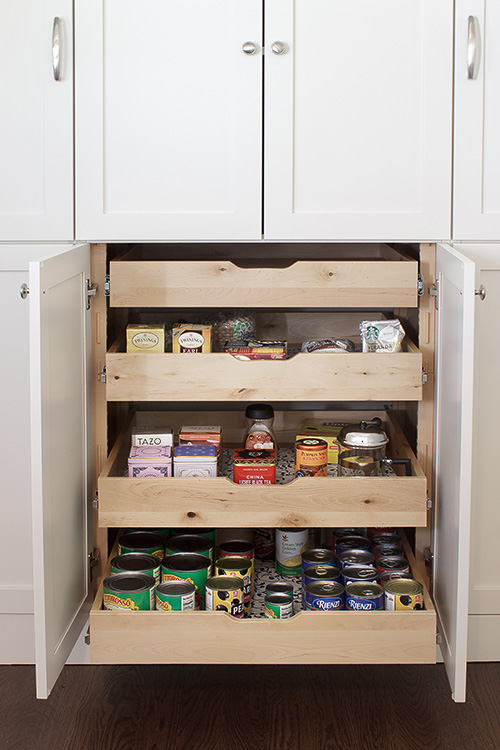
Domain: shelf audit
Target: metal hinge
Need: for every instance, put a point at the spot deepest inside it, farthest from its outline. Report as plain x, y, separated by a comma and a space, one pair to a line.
439, 638
424, 376
93, 560
87, 637
420, 285
107, 285
91, 291
429, 503
101, 376
95, 501
434, 292
429, 557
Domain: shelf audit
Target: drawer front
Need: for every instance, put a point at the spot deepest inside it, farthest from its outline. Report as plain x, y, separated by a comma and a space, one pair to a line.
195, 284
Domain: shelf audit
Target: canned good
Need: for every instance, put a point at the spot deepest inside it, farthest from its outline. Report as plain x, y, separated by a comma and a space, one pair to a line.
325, 596
343, 532
386, 537
404, 594
364, 597
177, 596
142, 541
347, 543
185, 566
280, 587
193, 543
290, 544
137, 562
264, 543
278, 606
225, 594
317, 557
385, 564
375, 531
354, 557
392, 575
387, 550
320, 573
207, 533
240, 567
311, 457
356, 573
238, 548
129, 591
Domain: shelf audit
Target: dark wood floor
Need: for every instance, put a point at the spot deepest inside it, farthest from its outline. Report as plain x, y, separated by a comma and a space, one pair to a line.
259, 708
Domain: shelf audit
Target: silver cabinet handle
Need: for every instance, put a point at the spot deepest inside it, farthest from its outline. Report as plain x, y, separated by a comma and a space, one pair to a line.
279, 48
471, 48
56, 49
249, 48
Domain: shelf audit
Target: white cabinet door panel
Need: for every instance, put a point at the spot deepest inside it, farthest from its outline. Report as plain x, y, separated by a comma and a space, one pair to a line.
168, 120
60, 429
358, 119
477, 121
453, 457
36, 123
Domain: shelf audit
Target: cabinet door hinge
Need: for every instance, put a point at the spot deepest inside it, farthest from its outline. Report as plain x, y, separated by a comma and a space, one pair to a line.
95, 501
420, 285
101, 376
93, 560
429, 557
439, 639
434, 292
91, 291
429, 502
424, 376
87, 637
107, 285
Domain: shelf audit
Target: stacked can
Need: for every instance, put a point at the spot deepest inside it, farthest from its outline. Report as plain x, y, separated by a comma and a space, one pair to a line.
185, 566
238, 567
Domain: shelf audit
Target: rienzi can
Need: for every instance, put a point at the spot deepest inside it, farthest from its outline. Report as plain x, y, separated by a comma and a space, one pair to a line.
240, 567
364, 597
359, 573
342, 533
142, 541
290, 544
326, 596
386, 537
278, 606
320, 573
372, 532
193, 543
177, 596
354, 557
207, 533
185, 566
129, 591
347, 543
317, 556
404, 594
392, 575
280, 587
385, 564
387, 550
137, 562
225, 594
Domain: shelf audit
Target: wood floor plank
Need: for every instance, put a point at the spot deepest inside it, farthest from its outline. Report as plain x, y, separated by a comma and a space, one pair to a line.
254, 707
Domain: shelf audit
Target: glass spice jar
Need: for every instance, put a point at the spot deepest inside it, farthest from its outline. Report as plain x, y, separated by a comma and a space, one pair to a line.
260, 432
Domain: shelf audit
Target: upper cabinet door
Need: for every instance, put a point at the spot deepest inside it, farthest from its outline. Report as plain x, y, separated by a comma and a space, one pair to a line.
168, 119
36, 122
358, 108
477, 121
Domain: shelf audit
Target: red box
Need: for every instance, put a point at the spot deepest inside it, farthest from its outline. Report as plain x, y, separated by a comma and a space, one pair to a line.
254, 467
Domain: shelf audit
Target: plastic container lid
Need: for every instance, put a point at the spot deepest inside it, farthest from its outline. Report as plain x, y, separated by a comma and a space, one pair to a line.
259, 411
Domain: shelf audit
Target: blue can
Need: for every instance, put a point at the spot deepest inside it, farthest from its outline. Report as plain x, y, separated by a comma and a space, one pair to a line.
317, 556
320, 573
351, 542
324, 596
364, 597
355, 557
363, 573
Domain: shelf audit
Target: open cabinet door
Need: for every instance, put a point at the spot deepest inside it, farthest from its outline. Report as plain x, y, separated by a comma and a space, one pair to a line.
453, 440
60, 428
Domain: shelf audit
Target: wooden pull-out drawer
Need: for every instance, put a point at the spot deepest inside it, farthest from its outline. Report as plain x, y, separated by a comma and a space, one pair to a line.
218, 502
307, 638
349, 276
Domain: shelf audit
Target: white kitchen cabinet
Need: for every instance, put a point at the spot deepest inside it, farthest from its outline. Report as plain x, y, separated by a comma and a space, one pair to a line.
356, 135
36, 126
358, 125
168, 119
60, 492
476, 210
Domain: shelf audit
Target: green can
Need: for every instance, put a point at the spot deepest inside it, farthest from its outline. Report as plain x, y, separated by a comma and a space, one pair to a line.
161, 532
207, 533
142, 541
137, 562
185, 566
127, 591
192, 543
278, 606
177, 596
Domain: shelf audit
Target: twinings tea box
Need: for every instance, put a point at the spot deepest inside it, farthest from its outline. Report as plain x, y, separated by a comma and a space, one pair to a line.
157, 436
190, 338
195, 461
150, 461
145, 338
325, 430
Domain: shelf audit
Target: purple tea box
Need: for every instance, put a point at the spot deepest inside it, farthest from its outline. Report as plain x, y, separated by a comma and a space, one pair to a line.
150, 461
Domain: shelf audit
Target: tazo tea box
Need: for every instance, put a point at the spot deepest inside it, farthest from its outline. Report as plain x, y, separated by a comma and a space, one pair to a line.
324, 430
190, 338
145, 338
160, 437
